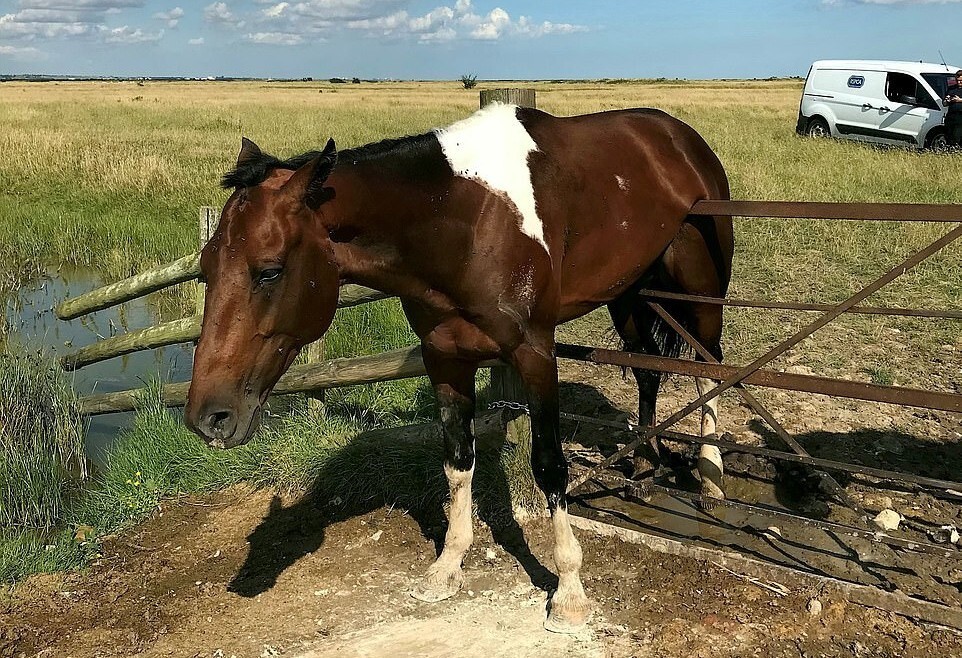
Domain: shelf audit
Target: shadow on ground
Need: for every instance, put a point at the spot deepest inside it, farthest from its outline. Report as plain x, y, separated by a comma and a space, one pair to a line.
366, 475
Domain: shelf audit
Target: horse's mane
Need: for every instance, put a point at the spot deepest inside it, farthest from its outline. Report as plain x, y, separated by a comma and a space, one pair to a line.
255, 170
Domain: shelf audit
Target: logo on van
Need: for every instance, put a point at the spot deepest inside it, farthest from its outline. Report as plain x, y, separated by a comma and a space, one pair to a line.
856, 81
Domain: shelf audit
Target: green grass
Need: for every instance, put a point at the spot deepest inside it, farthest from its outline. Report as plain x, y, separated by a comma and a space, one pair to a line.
41, 442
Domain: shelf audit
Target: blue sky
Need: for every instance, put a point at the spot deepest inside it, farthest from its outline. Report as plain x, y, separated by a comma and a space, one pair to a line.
442, 39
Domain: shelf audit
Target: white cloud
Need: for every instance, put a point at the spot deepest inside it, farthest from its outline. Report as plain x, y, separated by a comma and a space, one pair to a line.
172, 17
127, 34
219, 13
199, 41
82, 5
15, 26
24, 54
74, 19
335, 11
446, 23
275, 11
275, 38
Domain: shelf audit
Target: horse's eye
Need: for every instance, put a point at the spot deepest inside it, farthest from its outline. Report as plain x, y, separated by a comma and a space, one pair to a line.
269, 275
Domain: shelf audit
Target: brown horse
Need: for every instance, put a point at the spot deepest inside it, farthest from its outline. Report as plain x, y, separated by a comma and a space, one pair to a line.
492, 232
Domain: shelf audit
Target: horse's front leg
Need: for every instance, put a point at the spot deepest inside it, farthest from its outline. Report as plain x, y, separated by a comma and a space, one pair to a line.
454, 385
569, 607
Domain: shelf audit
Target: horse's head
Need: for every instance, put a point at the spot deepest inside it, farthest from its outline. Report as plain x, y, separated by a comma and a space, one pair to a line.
271, 288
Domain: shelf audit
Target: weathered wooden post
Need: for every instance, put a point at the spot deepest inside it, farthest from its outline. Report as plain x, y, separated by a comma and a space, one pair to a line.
511, 96
207, 223
507, 391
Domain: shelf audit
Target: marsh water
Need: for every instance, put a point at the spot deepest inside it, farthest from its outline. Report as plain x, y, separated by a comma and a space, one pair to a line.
29, 323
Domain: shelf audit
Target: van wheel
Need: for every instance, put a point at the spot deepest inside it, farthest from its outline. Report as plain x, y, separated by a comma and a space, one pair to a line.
938, 142
818, 129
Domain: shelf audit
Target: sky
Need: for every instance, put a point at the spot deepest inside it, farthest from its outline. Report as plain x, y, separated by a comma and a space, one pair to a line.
444, 39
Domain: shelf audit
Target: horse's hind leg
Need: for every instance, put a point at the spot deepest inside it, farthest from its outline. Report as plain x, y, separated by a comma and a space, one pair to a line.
689, 265
634, 320
453, 382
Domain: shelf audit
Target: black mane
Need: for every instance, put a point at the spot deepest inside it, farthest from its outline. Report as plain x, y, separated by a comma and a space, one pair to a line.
255, 170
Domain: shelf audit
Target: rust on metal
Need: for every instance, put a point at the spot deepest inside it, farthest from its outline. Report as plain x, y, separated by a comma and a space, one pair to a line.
797, 306
889, 212
909, 397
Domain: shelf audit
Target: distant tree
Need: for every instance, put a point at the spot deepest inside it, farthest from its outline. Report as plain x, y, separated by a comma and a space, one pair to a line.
469, 81
356, 81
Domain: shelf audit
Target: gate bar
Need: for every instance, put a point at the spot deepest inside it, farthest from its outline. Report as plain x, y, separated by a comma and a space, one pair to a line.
634, 490
885, 212
907, 397
936, 484
827, 480
799, 306
779, 349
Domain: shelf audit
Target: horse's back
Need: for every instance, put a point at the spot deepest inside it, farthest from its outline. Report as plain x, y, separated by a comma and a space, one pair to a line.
614, 190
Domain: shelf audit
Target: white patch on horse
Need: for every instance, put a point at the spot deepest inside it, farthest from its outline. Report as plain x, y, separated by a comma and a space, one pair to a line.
492, 147
516, 301
710, 464
623, 183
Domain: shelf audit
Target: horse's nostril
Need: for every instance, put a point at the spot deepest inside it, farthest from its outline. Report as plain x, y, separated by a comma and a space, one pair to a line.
221, 424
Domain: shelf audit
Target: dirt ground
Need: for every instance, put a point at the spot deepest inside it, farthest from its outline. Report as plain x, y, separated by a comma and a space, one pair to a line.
246, 574
251, 574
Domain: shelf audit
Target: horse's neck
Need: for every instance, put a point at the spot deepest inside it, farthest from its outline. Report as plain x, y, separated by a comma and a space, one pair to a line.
370, 219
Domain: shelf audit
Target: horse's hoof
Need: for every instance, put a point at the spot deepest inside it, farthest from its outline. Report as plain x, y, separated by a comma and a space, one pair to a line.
438, 588
641, 467
569, 615
710, 492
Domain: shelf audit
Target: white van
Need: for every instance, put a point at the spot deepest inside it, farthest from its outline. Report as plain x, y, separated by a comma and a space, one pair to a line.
897, 103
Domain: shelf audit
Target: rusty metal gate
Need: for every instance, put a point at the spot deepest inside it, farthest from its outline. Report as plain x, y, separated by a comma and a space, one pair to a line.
600, 482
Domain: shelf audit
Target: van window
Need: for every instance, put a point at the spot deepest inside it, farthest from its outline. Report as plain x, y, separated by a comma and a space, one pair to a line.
939, 82
903, 88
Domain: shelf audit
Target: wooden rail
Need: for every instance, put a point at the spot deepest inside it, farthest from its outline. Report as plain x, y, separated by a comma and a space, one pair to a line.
185, 330
387, 366
181, 270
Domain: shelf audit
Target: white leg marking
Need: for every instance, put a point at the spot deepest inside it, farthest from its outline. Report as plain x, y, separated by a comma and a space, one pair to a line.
445, 578
710, 465
570, 607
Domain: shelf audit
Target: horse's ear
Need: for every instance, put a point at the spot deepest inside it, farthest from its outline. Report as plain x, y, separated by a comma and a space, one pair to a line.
307, 183
249, 151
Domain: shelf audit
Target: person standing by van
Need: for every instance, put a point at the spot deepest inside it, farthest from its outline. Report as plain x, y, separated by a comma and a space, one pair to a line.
953, 116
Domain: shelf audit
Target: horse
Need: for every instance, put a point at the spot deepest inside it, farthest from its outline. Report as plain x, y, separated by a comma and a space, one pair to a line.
492, 232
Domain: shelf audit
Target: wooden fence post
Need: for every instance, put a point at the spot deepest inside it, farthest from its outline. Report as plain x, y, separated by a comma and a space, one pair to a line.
520, 97
207, 223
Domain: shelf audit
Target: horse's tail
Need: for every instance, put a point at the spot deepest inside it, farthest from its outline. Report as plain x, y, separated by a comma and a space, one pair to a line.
697, 262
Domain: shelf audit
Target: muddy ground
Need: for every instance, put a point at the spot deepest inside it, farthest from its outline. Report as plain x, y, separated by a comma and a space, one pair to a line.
252, 574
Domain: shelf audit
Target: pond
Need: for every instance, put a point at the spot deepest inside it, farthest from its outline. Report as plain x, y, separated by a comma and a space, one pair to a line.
29, 323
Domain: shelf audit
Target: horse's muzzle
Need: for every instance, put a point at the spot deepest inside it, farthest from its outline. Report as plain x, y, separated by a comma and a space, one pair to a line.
221, 427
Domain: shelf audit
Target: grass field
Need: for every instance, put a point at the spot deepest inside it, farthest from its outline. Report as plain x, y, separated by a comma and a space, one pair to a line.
110, 175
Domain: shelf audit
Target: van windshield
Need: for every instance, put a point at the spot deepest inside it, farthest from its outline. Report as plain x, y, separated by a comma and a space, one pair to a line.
940, 82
